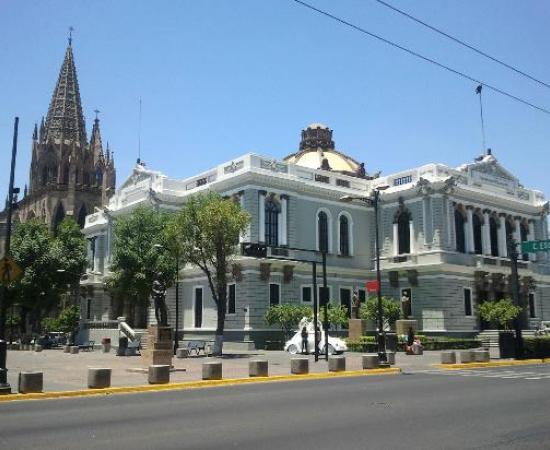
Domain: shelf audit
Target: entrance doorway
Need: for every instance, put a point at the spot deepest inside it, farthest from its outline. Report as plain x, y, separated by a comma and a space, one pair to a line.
198, 307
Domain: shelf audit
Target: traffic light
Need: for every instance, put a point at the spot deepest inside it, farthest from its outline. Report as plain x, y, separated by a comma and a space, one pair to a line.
254, 250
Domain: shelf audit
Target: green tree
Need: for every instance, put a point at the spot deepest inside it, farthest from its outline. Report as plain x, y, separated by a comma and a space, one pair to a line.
66, 321
69, 251
138, 257
500, 313
337, 315
209, 226
37, 292
287, 316
391, 310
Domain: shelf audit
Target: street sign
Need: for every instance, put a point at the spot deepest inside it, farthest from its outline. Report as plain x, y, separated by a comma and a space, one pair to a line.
9, 270
373, 286
535, 246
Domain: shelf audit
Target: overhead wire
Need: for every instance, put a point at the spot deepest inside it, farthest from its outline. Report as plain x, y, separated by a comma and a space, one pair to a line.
420, 56
464, 44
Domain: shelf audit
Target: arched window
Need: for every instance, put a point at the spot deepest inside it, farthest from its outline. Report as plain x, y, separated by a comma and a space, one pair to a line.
82, 216
65, 174
404, 232
493, 231
478, 246
322, 224
98, 177
344, 236
59, 216
44, 178
271, 222
459, 232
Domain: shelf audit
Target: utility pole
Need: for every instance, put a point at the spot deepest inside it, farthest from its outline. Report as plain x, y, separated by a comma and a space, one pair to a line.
3, 305
513, 255
325, 300
315, 311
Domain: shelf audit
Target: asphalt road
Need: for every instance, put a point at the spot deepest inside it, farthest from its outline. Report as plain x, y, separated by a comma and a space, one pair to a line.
416, 411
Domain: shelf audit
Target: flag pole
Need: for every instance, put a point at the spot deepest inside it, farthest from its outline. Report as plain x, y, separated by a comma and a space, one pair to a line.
478, 91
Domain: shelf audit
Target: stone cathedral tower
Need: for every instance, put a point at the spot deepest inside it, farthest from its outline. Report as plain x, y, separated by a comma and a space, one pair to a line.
69, 175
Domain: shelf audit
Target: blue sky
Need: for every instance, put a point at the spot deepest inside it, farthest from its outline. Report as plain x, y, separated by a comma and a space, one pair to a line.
222, 78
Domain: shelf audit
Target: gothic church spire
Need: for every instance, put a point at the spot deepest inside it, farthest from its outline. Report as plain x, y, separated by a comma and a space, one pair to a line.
65, 119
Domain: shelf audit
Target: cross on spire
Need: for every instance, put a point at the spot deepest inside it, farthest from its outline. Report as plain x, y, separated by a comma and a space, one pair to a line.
96, 111
71, 29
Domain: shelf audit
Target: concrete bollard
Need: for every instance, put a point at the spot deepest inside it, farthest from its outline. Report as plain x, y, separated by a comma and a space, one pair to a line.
299, 366
99, 378
182, 353
336, 363
258, 368
67, 349
448, 357
391, 358
74, 350
30, 382
38, 348
212, 370
466, 356
371, 361
159, 374
481, 356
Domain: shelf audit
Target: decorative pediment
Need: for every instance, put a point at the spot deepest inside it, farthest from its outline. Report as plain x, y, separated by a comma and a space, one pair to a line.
138, 175
494, 169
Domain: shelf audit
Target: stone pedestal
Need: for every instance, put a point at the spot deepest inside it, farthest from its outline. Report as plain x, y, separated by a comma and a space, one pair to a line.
159, 374
258, 368
336, 363
402, 326
30, 382
159, 349
357, 328
371, 361
212, 370
448, 357
99, 378
299, 366
466, 356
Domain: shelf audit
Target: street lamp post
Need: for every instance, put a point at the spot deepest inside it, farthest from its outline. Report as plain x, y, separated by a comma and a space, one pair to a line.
374, 202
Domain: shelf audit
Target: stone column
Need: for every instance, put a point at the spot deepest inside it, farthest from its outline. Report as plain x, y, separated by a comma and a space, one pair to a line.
502, 251
517, 232
395, 239
531, 237
283, 221
486, 233
261, 216
411, 237
470, 246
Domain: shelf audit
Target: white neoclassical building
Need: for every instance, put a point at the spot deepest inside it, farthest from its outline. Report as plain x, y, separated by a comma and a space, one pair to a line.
443, 239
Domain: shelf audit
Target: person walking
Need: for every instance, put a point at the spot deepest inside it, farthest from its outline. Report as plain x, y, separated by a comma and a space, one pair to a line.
304, 341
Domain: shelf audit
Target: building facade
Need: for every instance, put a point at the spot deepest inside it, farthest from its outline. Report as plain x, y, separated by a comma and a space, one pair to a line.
69, 175
443, 238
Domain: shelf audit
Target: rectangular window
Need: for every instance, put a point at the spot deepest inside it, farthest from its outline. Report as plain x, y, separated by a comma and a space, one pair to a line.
402, 180
306, 294
198, 307
231, 298
467, 302
532, 308
274, 294
345, 300
362, 295
320, 294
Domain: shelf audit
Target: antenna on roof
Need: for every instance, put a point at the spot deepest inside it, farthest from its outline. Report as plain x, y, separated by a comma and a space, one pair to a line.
139, 134
478, 91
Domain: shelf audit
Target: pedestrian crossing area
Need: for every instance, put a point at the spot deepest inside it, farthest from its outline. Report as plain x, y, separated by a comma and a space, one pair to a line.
517, 373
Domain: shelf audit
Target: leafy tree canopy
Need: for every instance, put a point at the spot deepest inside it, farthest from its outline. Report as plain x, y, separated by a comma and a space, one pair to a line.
139, 253
337, 315
501, 312
391, 310
287, 316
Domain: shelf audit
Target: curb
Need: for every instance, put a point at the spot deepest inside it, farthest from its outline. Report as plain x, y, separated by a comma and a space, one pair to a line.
195, 385
480, 365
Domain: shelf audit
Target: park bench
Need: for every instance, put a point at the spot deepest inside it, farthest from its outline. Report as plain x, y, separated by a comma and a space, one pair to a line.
87, 347
134, 347
196, 346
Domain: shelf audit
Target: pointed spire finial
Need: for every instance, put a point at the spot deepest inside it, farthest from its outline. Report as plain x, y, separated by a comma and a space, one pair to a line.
71, 29
96, 111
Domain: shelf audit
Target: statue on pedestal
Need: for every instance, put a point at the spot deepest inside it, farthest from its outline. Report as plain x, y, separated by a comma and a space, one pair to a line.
159, 298
355, 305
406, 304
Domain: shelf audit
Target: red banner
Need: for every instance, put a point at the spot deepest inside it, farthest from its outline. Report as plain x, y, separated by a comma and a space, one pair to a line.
373, 286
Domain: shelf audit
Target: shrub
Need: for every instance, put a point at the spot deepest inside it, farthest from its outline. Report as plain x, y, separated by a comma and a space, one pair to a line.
536, 347
337, 315
500, 313
368, 343
391, 310
287, 316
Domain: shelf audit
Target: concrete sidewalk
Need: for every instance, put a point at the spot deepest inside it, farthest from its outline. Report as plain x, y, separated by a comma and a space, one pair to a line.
63, 371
